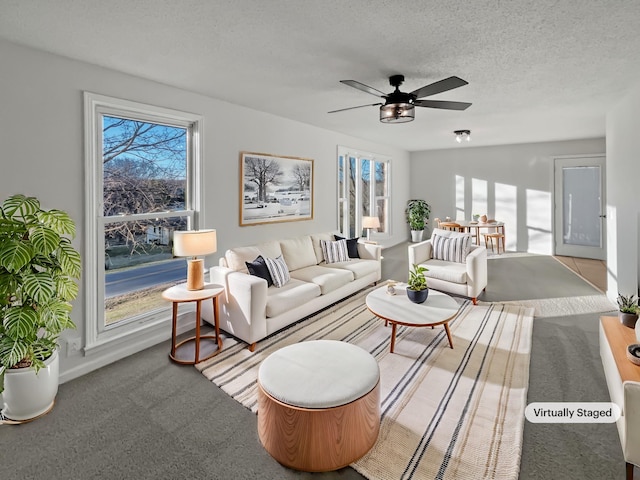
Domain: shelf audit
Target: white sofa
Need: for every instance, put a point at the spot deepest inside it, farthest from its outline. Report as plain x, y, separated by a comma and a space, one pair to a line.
250, 310
468, 278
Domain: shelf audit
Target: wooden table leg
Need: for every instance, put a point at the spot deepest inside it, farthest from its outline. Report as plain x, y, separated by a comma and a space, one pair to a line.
393, 336
174, 329
198, 311
216, 323
446, 329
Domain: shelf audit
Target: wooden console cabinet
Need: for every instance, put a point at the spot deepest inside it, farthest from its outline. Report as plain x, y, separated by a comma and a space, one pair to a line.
623, 381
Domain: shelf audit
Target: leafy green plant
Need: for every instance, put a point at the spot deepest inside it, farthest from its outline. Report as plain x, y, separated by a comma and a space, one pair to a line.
39, 269
628, 304
417, 280
417, 212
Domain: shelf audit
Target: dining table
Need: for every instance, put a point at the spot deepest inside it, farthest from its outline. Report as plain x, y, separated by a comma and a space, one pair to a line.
473, 227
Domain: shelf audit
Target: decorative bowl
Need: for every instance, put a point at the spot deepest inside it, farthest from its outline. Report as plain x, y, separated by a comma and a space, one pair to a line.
633, 353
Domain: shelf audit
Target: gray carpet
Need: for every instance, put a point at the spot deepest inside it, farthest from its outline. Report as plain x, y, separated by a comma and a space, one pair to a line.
147, 418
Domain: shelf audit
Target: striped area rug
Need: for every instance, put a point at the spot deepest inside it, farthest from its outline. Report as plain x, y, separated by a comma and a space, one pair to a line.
446, 413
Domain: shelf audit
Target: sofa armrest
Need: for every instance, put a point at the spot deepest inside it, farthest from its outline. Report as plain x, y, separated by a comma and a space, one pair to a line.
370, 251
419, 252
243, 306
631, 418
476, 270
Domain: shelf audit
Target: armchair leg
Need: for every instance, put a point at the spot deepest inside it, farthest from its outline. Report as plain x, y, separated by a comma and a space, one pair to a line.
475, 300
252, 347
629, 471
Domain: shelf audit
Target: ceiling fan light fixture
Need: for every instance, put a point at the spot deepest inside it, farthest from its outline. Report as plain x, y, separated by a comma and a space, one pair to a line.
397, 113
462, 135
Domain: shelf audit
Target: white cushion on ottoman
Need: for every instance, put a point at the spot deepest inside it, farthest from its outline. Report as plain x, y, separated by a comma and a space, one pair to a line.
319, 374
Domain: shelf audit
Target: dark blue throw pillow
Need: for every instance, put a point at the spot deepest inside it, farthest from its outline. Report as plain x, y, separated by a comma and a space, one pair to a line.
259, 268
352, 246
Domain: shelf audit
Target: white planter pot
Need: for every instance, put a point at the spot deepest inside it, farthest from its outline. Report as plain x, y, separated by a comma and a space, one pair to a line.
416, 235
28, 395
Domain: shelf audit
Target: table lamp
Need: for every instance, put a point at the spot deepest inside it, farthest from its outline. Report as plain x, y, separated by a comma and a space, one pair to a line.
369, 223
193, 243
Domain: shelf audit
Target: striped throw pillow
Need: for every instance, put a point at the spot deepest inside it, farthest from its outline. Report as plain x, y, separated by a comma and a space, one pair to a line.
334, 251
278, 270
454, 249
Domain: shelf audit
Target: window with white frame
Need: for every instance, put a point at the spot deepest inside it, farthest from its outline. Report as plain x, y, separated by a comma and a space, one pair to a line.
143, 168
363, 191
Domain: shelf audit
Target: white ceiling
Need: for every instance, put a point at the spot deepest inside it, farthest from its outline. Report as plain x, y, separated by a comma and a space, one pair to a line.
537, 70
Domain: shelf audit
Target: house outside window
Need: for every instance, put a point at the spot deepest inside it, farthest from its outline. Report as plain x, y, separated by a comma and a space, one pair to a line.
363, 190
143, 176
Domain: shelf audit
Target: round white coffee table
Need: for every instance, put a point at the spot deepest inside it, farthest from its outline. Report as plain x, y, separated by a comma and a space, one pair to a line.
397, 309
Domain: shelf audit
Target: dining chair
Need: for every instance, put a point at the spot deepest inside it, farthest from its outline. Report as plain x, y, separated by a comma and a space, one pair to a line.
451, 226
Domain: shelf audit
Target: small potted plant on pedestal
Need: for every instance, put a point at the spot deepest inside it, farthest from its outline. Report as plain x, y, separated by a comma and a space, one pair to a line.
38, 272
417, 289
628, 313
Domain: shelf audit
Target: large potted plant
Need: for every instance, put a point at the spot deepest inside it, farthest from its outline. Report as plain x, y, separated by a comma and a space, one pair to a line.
39, 269
417, 213
417, 289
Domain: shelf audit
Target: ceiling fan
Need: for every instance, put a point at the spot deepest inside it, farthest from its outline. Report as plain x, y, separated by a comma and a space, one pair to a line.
399, 107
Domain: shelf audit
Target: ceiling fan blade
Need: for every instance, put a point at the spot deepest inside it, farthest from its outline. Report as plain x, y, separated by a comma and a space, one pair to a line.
439, 87
364, 88
351, 108
442, 104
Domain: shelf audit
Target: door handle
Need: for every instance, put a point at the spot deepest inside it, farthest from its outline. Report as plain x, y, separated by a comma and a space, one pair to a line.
602, 216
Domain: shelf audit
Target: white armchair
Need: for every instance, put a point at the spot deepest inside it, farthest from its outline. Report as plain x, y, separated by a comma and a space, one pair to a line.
467, 279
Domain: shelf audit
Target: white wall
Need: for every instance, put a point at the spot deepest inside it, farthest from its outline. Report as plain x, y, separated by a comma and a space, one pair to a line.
623, 198
41, 135
511, 183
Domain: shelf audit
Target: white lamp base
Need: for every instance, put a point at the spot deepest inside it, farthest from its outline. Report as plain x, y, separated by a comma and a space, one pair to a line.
195, 274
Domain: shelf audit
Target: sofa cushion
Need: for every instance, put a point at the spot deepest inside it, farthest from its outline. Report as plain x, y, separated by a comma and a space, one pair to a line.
451, 248
258, 268
278, 270
237, 257
298, 252
448, 271
292, 295
315, 239
334, 251
328, 279
352, 246
360, 268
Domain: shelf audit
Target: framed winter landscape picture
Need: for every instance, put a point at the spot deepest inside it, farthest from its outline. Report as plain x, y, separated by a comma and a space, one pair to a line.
275, 188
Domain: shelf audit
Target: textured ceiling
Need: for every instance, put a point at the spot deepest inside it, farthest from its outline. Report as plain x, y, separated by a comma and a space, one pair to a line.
537, 71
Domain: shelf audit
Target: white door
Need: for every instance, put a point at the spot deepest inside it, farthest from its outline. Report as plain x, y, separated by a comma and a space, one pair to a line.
579, 207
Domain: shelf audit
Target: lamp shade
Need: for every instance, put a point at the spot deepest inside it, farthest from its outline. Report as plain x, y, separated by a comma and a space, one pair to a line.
370, 222
192, 243
397, 113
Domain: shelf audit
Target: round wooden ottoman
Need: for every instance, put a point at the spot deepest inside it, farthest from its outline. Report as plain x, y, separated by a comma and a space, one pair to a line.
318, 404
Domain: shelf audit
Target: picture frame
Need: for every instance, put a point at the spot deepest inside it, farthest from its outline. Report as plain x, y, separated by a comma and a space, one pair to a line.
275, 188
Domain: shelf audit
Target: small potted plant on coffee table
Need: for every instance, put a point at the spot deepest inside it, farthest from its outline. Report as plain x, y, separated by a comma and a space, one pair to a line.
628, 307
417, 289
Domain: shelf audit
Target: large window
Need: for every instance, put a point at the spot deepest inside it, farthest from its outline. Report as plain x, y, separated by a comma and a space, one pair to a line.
143, 172
363, 191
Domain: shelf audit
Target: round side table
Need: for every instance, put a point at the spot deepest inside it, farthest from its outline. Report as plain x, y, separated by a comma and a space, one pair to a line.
189, 351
